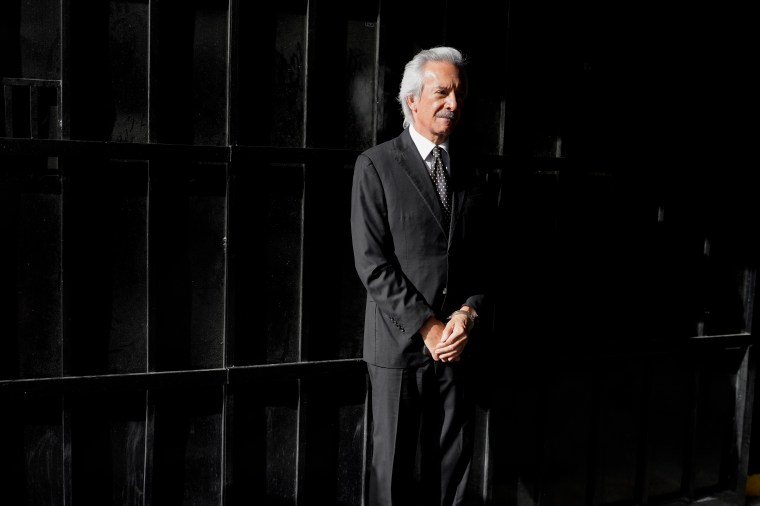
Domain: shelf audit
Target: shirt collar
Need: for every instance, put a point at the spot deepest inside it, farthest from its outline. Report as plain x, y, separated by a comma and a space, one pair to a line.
424, 146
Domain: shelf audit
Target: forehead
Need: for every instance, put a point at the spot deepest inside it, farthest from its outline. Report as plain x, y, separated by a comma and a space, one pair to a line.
442, 73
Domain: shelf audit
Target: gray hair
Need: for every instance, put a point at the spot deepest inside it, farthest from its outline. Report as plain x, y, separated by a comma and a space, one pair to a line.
414, 75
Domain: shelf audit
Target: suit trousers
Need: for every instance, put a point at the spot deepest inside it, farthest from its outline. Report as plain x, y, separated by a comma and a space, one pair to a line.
422, 423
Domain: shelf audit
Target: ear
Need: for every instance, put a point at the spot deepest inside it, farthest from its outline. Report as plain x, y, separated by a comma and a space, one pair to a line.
412, 103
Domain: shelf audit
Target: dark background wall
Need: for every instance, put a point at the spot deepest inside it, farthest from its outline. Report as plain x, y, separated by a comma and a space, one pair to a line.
180, 321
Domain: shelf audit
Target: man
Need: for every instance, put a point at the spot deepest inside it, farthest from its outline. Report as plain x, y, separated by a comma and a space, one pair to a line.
419, 239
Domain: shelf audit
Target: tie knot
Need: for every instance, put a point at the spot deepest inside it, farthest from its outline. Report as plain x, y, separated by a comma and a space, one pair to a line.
437, 153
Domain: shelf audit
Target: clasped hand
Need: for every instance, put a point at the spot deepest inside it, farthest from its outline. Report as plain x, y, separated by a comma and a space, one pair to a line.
446, 342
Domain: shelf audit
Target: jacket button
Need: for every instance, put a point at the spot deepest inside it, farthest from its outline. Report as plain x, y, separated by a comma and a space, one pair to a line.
445, 290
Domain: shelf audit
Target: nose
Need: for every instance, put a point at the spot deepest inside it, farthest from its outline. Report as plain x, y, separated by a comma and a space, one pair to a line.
451, 101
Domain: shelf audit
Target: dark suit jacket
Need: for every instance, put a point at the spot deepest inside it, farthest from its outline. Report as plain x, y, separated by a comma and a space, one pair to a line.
410, 266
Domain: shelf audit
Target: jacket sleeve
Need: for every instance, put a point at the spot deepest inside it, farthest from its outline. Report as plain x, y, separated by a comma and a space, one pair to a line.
374, 253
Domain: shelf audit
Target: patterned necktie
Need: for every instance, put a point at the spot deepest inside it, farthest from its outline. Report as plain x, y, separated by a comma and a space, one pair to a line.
441, 180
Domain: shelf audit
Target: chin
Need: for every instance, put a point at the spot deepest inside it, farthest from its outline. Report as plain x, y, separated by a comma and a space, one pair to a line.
448, 125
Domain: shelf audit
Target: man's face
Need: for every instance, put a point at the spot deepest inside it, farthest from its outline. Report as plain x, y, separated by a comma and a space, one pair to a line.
438, 108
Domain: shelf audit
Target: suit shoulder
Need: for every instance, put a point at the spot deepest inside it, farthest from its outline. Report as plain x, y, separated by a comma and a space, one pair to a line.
379, 158
379, 150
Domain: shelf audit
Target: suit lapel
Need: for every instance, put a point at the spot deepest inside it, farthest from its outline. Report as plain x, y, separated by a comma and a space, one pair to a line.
409, 160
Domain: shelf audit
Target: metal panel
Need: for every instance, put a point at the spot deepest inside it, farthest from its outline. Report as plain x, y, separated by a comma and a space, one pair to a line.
105, 265
185, 453
186, 255
188, 74
266, 244
31, 230
341, 95
31, 39
31, 469
108, 448
332, 448
107, 78
329, 273
262, 463
269, 73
